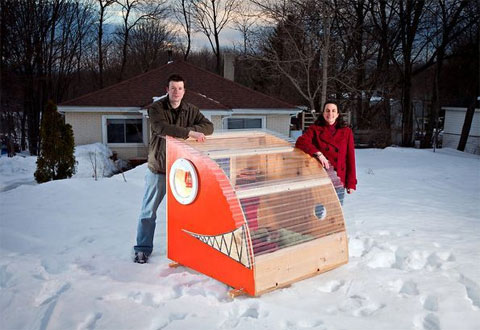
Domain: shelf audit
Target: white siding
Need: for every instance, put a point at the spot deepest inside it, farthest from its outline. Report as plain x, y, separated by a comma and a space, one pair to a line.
87, 129
279, 123
217, 123
454, 119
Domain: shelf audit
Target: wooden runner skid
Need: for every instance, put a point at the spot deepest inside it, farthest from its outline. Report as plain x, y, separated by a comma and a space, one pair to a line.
232, 293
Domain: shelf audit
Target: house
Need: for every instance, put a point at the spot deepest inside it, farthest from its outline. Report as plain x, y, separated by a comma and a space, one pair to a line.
116, 115
452, 129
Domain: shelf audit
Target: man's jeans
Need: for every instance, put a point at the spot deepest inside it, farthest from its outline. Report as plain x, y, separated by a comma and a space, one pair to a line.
155, 186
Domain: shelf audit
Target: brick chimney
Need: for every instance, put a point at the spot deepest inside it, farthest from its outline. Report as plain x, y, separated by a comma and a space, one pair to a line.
229, 66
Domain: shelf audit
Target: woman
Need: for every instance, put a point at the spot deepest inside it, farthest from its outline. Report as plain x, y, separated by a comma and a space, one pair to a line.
330, 141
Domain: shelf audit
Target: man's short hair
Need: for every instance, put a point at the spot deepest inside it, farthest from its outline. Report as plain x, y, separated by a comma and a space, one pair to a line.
175, 77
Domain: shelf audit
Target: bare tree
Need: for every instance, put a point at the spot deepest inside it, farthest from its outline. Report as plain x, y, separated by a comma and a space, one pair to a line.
148, 40
210, 17
475, 94
102, 16
411, 13
245, 21
385, 33
45, 41
67, 47
134, 12
447, 20
298, 48
182, 9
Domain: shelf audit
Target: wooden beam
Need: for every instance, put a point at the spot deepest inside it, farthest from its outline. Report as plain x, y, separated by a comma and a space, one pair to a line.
282, 187
247, 152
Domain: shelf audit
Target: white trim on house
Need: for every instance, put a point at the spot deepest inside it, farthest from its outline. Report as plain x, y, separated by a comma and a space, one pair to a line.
211, 112
463, 109
266, 111
69, 108
133, 145
206, 112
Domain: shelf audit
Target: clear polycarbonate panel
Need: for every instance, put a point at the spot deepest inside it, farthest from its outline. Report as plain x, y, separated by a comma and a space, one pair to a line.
223, 144
286, 196
288, 218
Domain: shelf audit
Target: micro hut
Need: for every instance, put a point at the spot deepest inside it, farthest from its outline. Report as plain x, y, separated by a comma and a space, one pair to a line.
252, 211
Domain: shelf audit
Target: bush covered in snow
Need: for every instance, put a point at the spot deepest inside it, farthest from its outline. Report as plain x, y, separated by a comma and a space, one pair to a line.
94, 160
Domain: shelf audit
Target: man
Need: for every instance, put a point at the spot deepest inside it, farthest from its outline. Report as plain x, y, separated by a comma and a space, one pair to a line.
173, 117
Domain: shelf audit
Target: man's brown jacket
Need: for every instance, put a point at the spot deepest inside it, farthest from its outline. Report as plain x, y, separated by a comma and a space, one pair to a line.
164, 120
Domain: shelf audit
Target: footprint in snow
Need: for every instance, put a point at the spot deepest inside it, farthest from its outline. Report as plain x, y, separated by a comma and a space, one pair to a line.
358, 247
359, 305
381, 257
87, 240
331, 286
410, 260
239, 310
90, 321
431, 322
164, 322
5, 277
421, 259
437, 260
53, 266
409, 288
177, 316
51, 290
473, 291
430, 303
251, 312
290, 325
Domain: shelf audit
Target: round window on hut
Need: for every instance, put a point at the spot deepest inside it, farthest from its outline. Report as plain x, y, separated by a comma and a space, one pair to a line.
320, 211
183, 181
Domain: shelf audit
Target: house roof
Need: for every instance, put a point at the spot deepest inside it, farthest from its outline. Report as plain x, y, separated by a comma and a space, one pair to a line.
204, 89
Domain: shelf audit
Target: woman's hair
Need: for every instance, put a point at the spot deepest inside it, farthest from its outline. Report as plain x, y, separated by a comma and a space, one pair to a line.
339, 122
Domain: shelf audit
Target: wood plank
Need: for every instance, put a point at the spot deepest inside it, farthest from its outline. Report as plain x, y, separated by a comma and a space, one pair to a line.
233, 293
285, 186
247, 152
301, 261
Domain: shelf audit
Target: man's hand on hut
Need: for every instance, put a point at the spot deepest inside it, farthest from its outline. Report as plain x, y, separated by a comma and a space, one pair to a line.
200, 137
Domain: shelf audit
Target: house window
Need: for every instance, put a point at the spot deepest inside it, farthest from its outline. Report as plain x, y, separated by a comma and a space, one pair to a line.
245, 123
124, 130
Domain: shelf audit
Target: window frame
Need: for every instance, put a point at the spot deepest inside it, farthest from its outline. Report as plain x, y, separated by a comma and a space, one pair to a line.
105, 118
225, 122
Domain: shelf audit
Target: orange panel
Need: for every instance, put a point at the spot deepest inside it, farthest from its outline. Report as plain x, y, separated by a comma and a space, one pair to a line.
214, 212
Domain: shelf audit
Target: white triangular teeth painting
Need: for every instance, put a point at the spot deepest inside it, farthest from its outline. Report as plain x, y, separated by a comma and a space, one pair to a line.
233, 244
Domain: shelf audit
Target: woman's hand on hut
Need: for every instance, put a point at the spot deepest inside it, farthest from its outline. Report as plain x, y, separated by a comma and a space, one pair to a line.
322, 159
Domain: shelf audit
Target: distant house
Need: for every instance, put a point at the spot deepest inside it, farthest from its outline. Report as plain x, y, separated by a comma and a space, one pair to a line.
116, 115
454, 118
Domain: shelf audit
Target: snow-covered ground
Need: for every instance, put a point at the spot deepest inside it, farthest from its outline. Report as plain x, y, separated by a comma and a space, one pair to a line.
90, 158
414, 241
